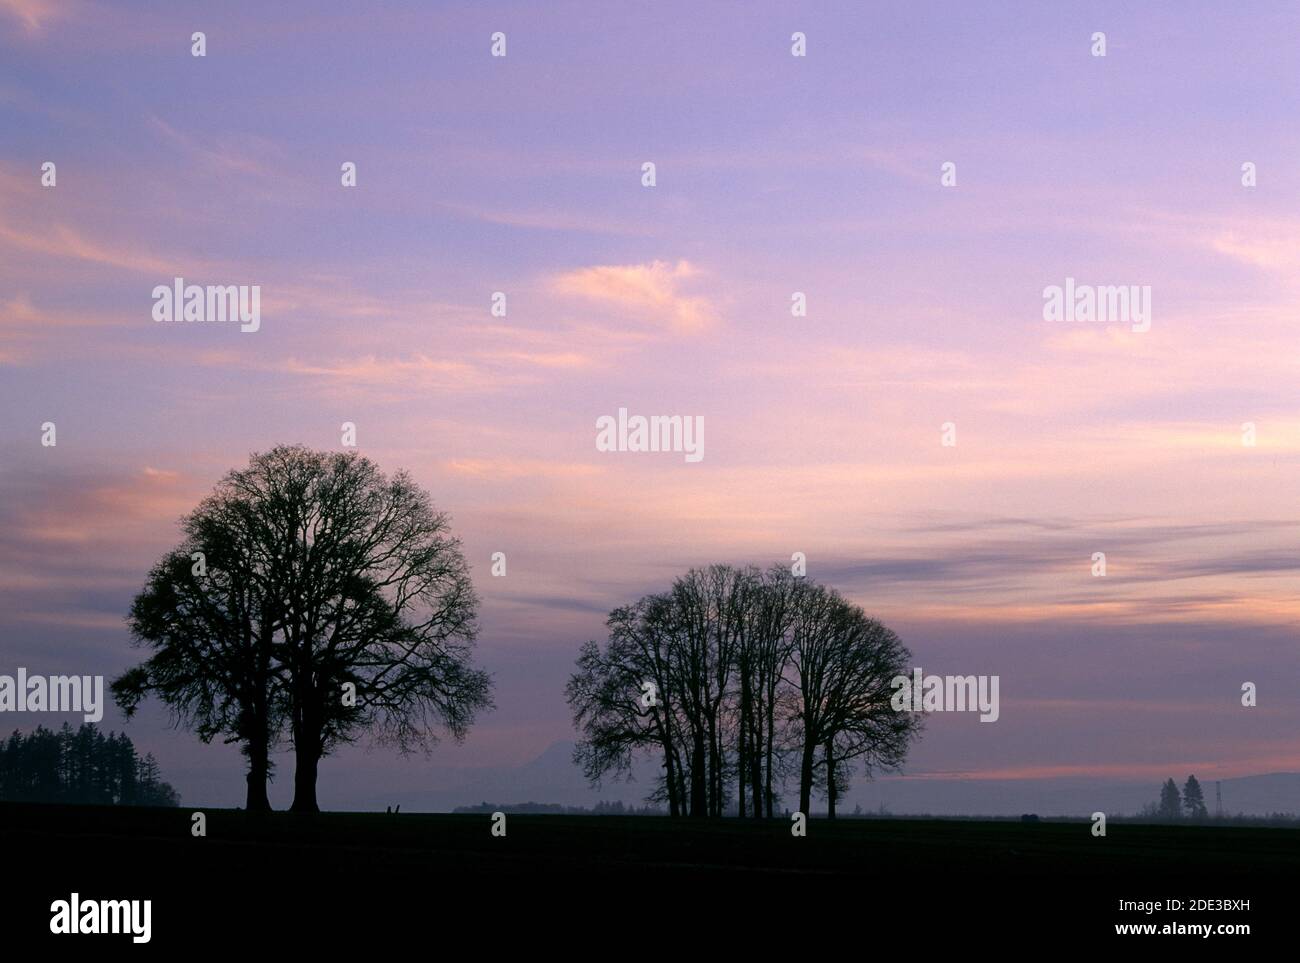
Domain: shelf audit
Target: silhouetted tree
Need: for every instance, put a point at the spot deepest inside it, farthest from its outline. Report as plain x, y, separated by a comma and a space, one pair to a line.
377, 599
842, 664
211, 610
1194, 799
342, 605
615, 709
762, 656
1170, 800
684, 644
708, 608
733, 657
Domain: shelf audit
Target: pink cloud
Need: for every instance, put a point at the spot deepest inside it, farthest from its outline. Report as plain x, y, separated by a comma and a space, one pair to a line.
651, 290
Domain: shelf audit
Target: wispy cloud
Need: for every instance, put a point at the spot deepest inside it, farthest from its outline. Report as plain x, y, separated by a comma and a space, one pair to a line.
653, 292
219, 153
67, 242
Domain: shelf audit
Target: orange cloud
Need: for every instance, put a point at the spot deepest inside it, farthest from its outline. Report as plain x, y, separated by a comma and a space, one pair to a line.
546, 359
506, 468
652, 290
372, 370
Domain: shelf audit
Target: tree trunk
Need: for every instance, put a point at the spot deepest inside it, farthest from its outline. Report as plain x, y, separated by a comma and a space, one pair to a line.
715, 773
756, 761
307, 751
671, 774
806, 778
740, 768
745, 745
257, 747
258, 744
699, 793
830, 780
307, 759
769, 748
683, 807
259, 768
679, 780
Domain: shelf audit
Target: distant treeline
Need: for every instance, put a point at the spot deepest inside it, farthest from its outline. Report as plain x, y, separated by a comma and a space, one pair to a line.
555, 809
1174, 806
1281, 820
84, 766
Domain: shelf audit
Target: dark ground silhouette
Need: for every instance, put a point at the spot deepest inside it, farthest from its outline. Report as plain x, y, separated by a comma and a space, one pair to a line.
344, 877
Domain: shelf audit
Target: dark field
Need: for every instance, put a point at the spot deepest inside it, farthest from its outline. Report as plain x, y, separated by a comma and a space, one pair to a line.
337, 873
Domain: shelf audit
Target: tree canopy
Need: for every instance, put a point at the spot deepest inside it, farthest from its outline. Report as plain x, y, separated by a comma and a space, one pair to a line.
737, 679
313, 597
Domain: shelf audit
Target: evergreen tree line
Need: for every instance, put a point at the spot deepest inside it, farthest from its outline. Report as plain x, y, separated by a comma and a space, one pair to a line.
738, 681
84, 766
1173, 805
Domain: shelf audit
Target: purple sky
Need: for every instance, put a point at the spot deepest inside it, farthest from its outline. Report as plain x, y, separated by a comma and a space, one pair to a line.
776, 174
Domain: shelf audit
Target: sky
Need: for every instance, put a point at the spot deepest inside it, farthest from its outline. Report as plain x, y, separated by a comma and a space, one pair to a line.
774, 174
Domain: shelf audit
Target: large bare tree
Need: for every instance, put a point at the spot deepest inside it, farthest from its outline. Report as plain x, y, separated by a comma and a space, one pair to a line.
364, 610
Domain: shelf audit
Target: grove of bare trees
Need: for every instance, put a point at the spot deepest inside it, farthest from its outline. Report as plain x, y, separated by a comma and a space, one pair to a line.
740, 681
